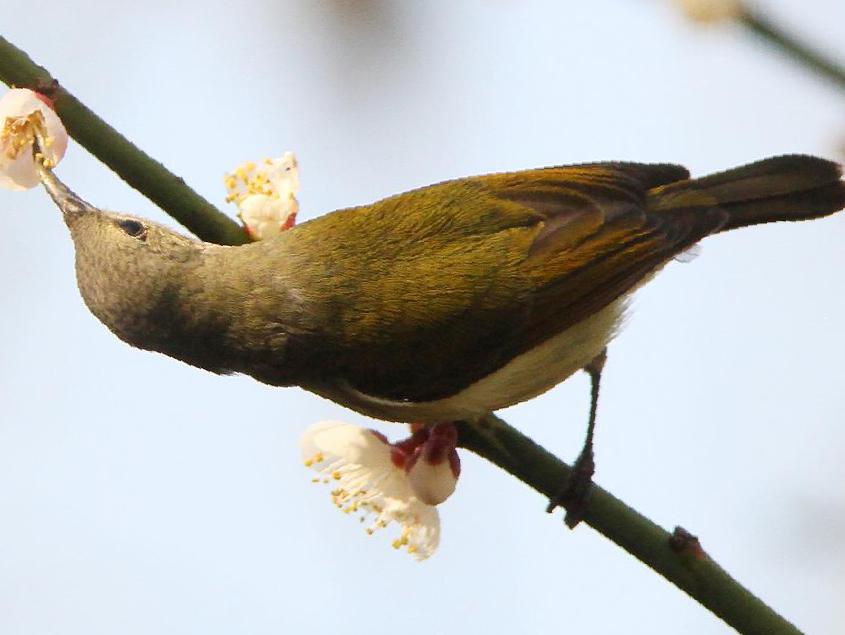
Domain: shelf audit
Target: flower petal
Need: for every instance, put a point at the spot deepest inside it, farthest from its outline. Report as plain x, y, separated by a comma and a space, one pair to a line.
432, 484
19, 173
355, 455
420, 529
266, 216
283, 174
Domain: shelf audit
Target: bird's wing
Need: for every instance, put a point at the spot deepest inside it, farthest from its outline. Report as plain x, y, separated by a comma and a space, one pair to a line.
599, 237
502, 263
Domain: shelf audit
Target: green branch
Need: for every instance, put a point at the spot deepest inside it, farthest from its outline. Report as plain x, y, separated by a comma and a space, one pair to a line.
677, 557
134, 166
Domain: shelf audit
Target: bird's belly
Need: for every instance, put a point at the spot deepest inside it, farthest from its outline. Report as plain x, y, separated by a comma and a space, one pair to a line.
524, 377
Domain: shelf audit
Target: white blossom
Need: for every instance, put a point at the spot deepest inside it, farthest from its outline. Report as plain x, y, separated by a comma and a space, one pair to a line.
26, 118
265, 194
369, 477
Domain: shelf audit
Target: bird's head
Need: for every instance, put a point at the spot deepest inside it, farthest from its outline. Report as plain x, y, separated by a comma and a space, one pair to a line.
129, 269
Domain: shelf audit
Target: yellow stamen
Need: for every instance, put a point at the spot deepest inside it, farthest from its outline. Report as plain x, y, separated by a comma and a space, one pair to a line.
20, 133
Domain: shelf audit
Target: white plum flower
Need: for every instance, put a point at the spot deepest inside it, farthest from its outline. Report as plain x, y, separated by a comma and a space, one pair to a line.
26, 118
372, 477
265, 194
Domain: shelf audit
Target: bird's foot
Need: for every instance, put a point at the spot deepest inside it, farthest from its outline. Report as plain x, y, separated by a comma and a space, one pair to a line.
575, 493
576, 490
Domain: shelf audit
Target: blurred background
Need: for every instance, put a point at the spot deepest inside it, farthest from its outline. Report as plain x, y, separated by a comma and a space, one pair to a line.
139, 495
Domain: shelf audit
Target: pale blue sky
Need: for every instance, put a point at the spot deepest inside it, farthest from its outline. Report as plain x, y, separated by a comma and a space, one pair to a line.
139, 495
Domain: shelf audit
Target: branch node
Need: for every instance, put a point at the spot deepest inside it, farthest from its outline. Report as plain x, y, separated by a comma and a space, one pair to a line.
47, 87
684, 543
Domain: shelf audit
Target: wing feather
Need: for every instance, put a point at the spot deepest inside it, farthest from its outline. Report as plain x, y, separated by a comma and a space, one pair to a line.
515, 259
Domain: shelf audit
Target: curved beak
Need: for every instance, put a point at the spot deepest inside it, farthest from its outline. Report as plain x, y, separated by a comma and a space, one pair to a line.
71, 205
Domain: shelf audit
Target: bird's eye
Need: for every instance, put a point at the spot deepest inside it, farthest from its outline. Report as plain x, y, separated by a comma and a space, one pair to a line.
133, 228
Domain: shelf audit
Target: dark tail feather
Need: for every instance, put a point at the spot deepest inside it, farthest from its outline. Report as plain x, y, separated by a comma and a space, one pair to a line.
791, 187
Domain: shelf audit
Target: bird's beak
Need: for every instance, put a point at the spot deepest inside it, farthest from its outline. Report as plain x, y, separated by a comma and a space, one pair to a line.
71, 205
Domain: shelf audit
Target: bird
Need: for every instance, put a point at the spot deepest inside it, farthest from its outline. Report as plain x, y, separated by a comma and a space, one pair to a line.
440, 304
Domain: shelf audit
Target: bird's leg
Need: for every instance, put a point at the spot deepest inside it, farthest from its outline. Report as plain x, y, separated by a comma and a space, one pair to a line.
573, 496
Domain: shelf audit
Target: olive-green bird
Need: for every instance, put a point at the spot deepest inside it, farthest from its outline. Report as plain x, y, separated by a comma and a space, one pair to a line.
440, 304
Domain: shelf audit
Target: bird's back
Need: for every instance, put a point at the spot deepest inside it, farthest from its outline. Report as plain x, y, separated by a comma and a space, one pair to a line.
425, 294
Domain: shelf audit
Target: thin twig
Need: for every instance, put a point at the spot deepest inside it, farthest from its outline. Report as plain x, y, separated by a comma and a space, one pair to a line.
814, 60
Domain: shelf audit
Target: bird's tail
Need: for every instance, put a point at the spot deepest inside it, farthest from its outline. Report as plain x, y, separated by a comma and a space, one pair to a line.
790, 187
